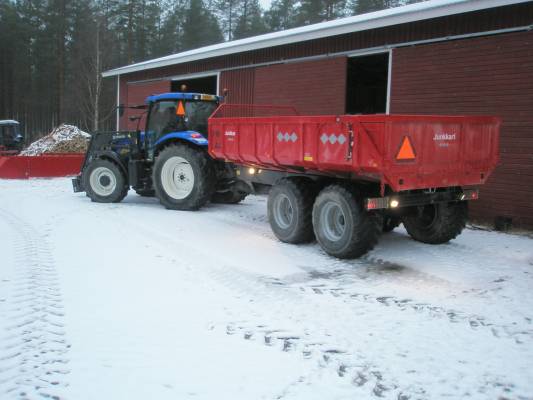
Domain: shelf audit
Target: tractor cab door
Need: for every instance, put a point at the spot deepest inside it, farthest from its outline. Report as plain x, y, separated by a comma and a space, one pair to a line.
169, 116
162, 119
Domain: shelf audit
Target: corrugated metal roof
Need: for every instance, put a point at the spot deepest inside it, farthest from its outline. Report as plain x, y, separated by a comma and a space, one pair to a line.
394, 16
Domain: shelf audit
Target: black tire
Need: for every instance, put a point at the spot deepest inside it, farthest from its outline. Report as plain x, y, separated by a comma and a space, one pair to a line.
436, 223
197, 177
229, 197
390, 223
343, 228
145, 192
290, 206
104, 182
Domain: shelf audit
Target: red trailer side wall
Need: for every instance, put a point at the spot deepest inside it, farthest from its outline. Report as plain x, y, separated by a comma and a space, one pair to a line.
488, 75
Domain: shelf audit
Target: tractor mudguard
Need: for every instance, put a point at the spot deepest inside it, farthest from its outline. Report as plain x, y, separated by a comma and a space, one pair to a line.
190, 136
111, 155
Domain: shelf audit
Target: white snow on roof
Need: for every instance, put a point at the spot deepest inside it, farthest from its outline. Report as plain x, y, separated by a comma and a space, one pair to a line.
8, 122
378, 19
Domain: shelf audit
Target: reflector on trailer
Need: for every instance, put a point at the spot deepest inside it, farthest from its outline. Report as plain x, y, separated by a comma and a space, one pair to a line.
180, 110
406, 151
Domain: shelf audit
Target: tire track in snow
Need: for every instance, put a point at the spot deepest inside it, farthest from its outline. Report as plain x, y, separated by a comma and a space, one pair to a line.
314, 344
33, 348
376, 268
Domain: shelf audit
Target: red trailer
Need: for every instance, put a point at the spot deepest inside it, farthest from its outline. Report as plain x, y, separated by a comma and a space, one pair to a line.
344, 179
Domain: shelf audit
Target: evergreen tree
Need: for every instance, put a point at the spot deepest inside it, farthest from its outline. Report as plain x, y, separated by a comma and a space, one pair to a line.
281, 15
314, 11
366, 6
250, 21
200, 27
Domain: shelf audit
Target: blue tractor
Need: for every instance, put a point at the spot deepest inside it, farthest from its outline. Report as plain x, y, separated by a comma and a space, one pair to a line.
168, 159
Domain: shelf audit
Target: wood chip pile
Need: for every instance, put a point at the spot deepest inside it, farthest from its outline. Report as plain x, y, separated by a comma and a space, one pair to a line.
63, 139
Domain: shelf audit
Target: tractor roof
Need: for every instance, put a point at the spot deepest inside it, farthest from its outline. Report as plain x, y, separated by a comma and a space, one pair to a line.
8, 122
182, 96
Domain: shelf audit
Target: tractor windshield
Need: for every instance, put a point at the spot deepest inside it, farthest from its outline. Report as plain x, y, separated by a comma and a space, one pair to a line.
10, 136
165, 116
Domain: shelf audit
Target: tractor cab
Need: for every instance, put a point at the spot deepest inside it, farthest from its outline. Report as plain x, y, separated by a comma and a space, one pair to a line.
10, 138
177, 116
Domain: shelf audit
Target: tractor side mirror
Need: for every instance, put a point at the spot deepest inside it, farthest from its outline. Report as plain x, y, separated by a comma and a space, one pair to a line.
120, 109
225, 92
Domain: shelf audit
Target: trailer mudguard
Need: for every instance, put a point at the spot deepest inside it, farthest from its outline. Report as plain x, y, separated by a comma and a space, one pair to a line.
190, 136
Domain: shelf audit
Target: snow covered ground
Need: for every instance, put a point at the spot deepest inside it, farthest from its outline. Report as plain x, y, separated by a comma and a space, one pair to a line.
132, 301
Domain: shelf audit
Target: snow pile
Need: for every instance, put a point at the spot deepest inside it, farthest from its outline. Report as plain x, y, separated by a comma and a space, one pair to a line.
63, 139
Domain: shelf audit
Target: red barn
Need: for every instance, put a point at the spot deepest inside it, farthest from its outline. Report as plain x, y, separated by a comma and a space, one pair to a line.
436, 57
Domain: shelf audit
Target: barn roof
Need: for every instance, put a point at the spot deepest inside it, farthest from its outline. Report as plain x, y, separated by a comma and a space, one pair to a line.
379, 19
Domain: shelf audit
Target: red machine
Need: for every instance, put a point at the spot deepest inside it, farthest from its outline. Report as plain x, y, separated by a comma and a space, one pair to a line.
42, 166
418, 170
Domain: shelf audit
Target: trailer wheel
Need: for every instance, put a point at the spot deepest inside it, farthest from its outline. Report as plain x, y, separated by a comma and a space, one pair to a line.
343, 228
436, 223
183, 178
229, 197
390, 223
104, 182
290, 206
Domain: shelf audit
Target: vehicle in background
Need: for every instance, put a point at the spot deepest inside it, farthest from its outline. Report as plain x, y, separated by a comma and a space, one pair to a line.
11, 140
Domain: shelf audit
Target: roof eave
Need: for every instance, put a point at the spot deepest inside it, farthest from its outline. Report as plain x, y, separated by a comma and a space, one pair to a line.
379, 19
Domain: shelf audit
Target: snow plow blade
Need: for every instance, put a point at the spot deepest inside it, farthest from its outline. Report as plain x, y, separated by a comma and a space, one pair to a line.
44, 166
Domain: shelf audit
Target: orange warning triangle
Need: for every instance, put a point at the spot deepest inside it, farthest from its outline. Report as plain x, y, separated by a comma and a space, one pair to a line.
180, 110
406, 151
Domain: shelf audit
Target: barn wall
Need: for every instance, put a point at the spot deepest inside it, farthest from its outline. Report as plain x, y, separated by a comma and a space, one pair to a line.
488, 75
240, 84
313, 87
460, 24
135, 94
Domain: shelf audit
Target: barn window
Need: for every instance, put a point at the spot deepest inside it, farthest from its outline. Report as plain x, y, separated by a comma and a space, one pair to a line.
367, 84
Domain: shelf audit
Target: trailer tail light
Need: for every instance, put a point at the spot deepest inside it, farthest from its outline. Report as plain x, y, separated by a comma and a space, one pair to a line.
376, 203
406, 151
469, 194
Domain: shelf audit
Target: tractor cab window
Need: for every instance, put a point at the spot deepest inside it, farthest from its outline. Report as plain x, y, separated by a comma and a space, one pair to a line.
8, 134
197, 113
163, 118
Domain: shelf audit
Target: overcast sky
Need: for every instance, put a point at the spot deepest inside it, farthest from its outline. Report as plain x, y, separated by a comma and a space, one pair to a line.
265, 4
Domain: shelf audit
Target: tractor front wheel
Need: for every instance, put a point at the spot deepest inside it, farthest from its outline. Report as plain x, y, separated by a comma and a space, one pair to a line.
183, 177
104, 182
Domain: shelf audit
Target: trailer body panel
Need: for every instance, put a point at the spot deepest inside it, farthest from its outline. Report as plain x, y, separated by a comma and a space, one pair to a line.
406, 152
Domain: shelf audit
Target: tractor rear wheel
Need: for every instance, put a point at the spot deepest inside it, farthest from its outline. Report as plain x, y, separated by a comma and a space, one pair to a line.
183, 177
343, 228
290, 205
104, 182
436, 223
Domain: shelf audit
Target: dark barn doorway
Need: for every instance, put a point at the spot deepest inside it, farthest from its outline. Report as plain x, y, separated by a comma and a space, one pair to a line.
366, 84
206, 84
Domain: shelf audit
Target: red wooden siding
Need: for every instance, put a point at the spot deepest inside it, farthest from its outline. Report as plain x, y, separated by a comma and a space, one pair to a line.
460, 24
135, 94
313, 87
488, 75
240, 83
